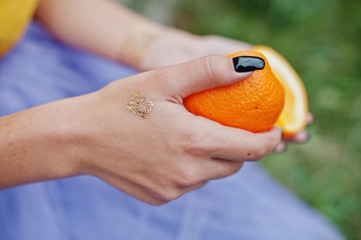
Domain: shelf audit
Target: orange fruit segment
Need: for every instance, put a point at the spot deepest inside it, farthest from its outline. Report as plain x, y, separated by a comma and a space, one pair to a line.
253, 104
295, 110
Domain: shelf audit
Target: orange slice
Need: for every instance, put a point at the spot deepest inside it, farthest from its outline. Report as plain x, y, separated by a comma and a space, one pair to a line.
295, 109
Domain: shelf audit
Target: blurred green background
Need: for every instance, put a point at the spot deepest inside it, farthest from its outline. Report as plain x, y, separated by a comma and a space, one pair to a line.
322, 40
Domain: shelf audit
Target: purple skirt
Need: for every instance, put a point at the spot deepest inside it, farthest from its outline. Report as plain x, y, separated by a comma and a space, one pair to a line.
247, 205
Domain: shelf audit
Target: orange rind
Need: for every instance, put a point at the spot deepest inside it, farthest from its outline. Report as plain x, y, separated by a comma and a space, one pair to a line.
293, 117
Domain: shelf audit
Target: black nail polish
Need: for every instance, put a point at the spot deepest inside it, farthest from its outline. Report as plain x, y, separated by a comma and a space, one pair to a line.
247, 63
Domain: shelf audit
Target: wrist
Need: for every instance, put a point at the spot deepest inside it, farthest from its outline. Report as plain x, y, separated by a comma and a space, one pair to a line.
149, 45
172, 47
76, 124
135, 44
35, 146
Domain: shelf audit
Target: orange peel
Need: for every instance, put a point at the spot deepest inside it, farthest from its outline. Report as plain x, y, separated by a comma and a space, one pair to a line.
293, 117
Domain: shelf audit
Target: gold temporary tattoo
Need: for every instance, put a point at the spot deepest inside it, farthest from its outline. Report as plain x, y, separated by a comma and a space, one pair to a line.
139, 105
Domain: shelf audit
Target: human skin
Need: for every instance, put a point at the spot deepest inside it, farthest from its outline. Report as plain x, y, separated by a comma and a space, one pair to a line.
103, 27
157, 159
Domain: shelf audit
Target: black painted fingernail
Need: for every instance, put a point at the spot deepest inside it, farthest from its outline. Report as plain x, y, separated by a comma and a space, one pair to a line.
247, 63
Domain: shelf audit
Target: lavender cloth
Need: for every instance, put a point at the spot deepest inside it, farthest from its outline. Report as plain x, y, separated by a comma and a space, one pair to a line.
248, 205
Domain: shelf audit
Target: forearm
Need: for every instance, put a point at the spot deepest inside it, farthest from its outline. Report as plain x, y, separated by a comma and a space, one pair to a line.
111, 30
101, 26
33, 146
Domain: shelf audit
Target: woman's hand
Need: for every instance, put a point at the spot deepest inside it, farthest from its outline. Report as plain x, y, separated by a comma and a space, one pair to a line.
171, 46
299, 137
156, 159
175, 46
171, 152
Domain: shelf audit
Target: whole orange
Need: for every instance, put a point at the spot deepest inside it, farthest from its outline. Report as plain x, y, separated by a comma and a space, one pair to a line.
252, 104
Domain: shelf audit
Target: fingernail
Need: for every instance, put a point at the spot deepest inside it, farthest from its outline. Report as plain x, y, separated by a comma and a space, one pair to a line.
247, 63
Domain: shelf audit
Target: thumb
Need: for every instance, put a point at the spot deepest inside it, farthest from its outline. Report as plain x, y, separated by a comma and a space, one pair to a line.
209, 72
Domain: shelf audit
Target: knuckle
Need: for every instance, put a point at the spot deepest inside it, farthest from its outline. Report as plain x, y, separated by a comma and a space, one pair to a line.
276, 138
160, 78
228, 168
169, 194
196, 143
197, 148
209, 64
187, 177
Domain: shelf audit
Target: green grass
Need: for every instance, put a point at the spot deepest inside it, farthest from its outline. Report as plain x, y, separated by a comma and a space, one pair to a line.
322, 40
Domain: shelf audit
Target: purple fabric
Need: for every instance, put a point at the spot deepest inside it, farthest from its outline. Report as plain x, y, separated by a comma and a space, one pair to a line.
248, 205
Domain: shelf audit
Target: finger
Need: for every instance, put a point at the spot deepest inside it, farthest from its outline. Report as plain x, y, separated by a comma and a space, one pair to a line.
219, 168
309, 118
134, 190
210, 168
205, 73
299, 137
194, 187
240, 145
280, 147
